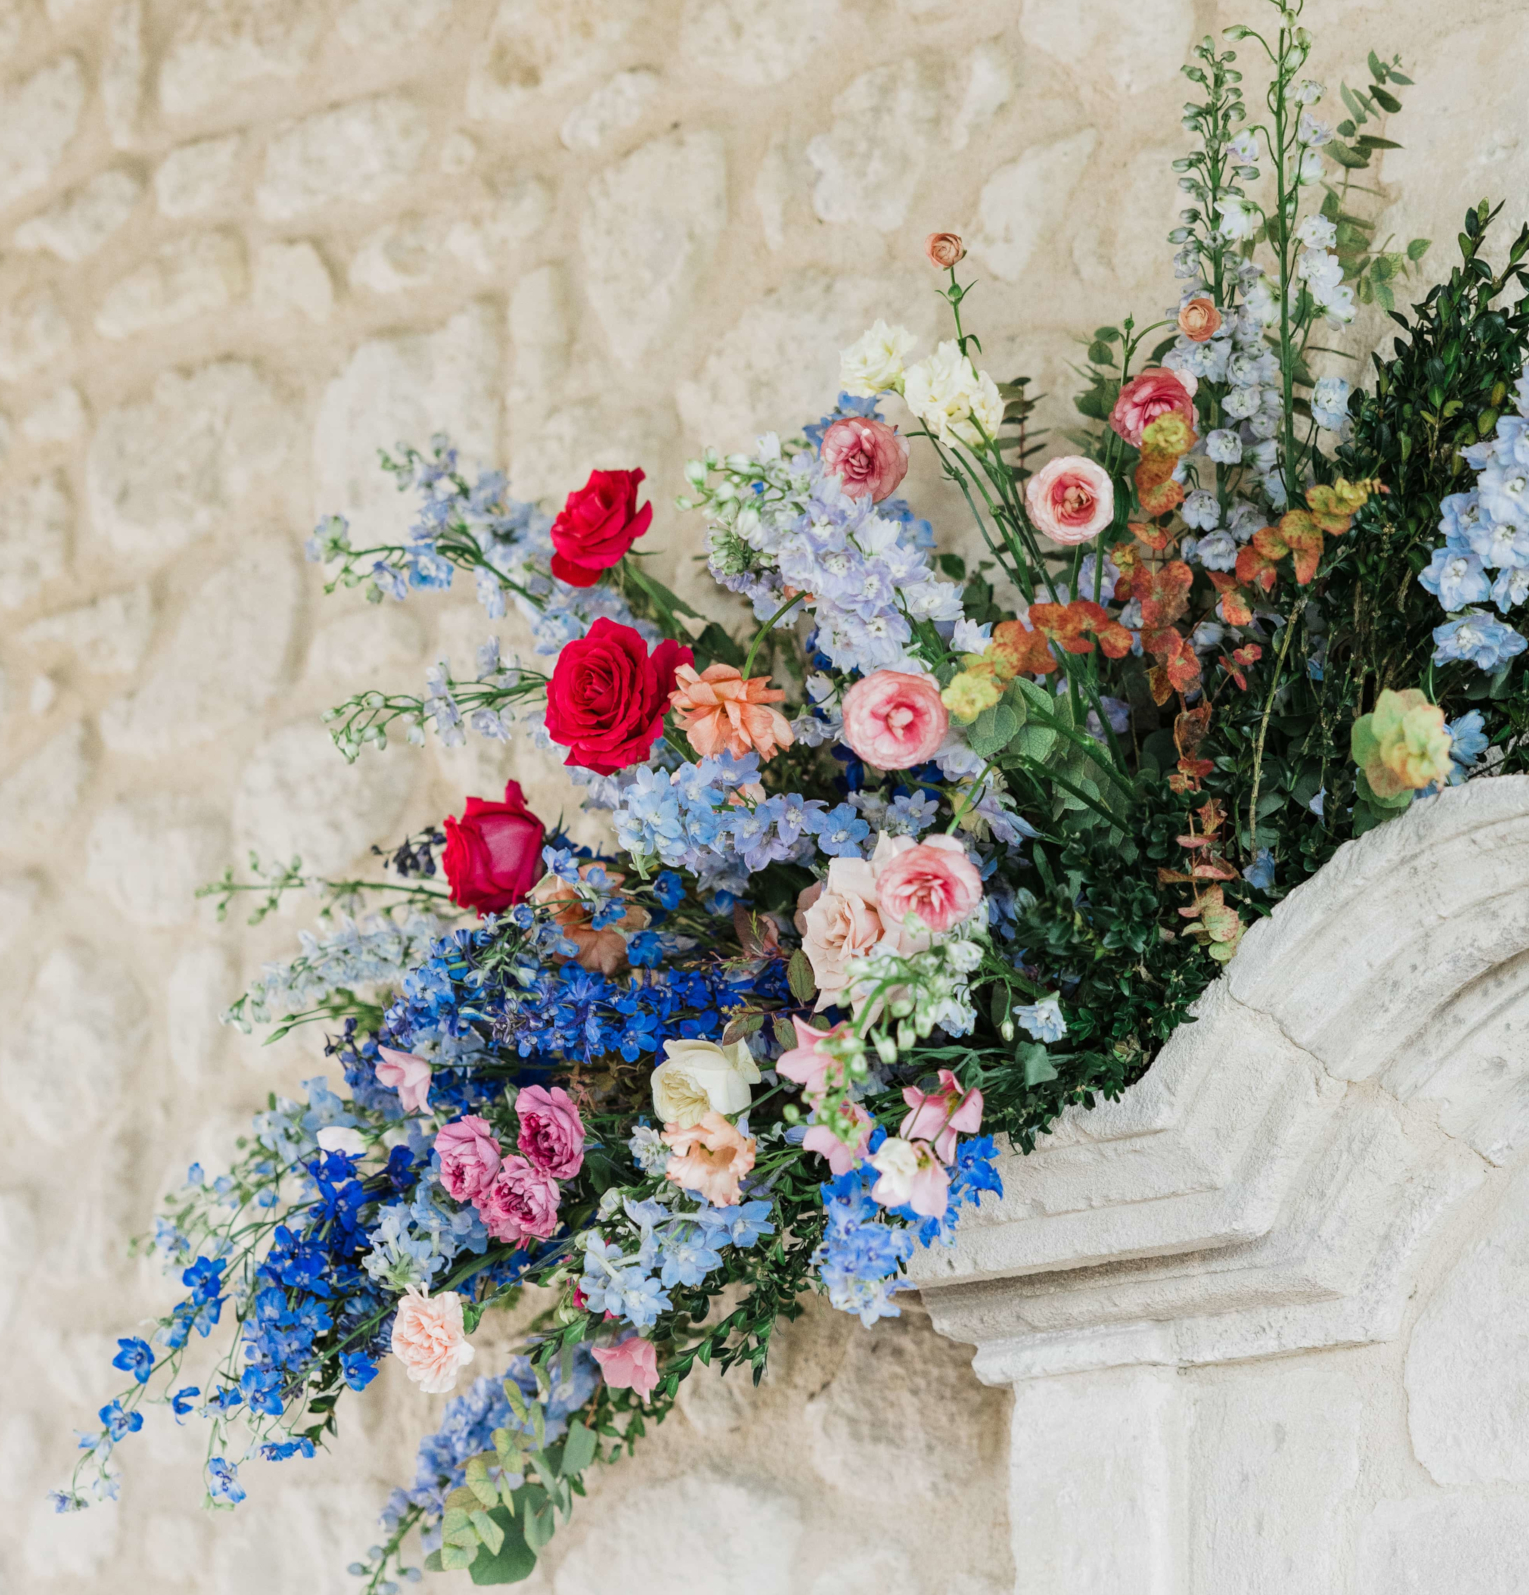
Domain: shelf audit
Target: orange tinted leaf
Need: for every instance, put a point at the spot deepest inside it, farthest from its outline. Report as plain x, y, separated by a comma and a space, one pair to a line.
1155, 537
1019, 651
1189, 729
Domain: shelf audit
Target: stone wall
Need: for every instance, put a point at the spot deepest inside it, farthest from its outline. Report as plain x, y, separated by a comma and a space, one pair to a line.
243, 243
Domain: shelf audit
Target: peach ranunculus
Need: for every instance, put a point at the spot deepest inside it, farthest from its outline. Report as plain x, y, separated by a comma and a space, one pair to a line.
1154, 392
839, 920
631, 1364
1199, 319
710, 1157
604, 950
932, 880
841, 1158
937, 1116
944, 249
869, 457
1071, 499
894, 720
408, 1075
428, 1339
718, 710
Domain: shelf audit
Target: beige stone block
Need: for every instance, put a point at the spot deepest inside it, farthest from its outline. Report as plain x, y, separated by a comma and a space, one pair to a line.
356, 154
752, 44
60, 418
188, 277
34, 332
534, 49
42, 792
80, 223
199, 177
36, 529
292, 277
1016, 213
108, 636
124, 66
39, 116
390, 24
219, 47
147, 856
611, 109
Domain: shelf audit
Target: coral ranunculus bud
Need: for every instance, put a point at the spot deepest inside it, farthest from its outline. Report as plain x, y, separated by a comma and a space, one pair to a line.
944, 249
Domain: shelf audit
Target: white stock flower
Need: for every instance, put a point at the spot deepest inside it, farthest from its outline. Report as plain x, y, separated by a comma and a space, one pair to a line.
948, 394
699, 1077
874, 363
1238, 219
1262, 299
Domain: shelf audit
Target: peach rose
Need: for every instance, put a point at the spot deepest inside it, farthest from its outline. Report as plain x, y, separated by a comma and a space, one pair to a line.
603, 951
839, 920
1071, 499
1199, 320
869, 457
428, 1339
1155, 392
710, 1157
718, 709
944, 249
893, 720
934, 881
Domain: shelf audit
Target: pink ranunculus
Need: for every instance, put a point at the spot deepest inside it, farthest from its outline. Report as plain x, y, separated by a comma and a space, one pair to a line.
521, 1203
631, 1364
839, 921
408, 1076
470, 1157
893, 720
841, 1158
1071, 499
551, 1131
807, 1063
934, 881
1156, 391
937, 1116
911, 1176
429, 1341
870, 458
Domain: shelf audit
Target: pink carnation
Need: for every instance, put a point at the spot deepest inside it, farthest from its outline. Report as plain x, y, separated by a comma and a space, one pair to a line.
428, 1339
469, 1155
936, 1116
841, 1158
870, 458
1071, 499
1156, 391
934, 881
521, 1202
408, 1076
631, 1364
893, 720
551, 1131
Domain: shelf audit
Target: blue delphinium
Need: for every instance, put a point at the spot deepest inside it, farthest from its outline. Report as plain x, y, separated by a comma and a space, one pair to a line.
1476, 636
862, 1254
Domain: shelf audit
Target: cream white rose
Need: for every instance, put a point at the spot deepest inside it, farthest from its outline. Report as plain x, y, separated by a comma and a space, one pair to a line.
699, 1077
947, 393
874, 363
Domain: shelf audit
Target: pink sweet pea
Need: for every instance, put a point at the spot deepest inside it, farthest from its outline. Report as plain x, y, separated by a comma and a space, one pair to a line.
631, 1364
911, 1176
470, 1158
894, 720
408, 1076
868, 457
551, 1131
807, 1063
841, 1158
933, 880
936, 1116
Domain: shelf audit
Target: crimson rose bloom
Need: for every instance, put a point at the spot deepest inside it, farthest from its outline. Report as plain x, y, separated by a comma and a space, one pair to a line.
494, 852
607, 697
597, 525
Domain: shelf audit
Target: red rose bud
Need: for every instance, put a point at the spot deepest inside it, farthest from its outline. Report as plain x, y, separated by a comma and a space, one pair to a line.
494, 852
597, 525
607, 697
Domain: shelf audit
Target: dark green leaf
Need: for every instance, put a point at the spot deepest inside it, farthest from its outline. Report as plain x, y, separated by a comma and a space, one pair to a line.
578, 1448
1387, 102
799, 976
512, 1562
1036, 1062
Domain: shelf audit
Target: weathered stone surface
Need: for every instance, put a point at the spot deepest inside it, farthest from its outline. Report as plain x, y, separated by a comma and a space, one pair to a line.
43, 791
756, 44
124, 66
512, 218
80, 223
201, 986
297, 798
613, 107
989, 87
647, 235
199, 177
20, 894
534, 49
34, 332
222, 46
80, 1545
171, 467
148, 855
364, 645
355, 154
35, 529
38, 119
223, 663
1138, 46
189, 277
870, 161
1467, 1545
109, 636
60, 418
1020, 199
293, 277
390, 24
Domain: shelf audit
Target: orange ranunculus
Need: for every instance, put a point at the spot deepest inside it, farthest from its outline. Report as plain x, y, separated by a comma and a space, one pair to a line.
1199, 319
718, 709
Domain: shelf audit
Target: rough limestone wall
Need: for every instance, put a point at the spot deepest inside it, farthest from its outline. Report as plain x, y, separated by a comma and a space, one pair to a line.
243, 243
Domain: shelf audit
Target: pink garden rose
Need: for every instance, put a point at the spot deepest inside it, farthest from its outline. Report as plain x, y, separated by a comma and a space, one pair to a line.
429, 1341
841, 1158
933, 880
631, 1364
408, 1076
522, 1202
839, 920
469, 1155
1071, 499
1156, 391
893, 720
870, 458
936, 1116
911, 1176
551, 1131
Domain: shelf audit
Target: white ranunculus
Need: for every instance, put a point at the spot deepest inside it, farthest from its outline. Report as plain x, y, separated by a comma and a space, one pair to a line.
699, 1077
874, 363
947, 393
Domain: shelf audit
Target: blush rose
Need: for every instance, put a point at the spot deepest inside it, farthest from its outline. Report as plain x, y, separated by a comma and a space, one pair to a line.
1144, 398
869, 457
493, 852
631, 1364
934, 881
1071, 499
408, 1075
944, 250
937, 1116
597, 525
894, 720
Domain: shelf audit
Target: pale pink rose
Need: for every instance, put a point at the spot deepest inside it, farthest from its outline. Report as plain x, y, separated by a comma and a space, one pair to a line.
840, 923
1071, 499
551, 1131
469, 1154
911, 1176
807, 1063
893, 720
710, 1157
870, 458
1156, 391
408, 1076
631, 1364
521, 1203
933, 880
841, 1158
428, 1339
936, 1116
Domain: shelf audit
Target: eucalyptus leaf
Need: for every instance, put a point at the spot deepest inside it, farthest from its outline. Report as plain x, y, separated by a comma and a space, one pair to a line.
512, 1562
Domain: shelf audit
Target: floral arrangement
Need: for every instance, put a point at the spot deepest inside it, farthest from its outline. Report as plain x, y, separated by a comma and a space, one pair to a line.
917, 857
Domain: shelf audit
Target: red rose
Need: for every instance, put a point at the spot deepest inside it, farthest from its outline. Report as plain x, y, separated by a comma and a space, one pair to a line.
607, 698
597, 525
494, 852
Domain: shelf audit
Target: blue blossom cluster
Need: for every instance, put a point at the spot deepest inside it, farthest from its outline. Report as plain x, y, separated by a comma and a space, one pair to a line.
416, 1239
974, 1171
862, 1254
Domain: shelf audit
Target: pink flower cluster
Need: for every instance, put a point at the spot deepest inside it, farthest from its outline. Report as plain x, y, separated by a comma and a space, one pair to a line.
516, 1195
